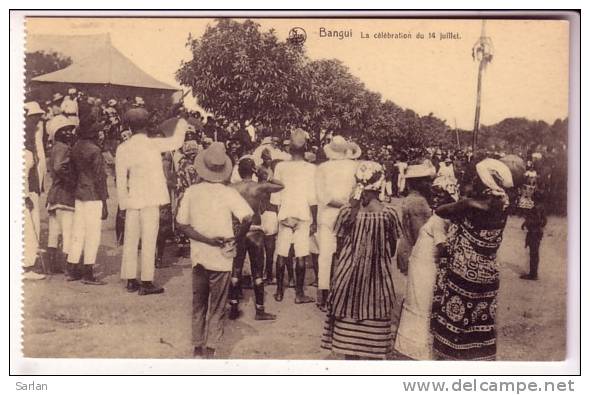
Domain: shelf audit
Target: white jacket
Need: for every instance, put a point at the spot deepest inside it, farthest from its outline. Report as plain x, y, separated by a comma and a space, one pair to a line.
140, 175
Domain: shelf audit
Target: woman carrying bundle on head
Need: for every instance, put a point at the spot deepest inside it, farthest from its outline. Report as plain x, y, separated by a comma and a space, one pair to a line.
465, 299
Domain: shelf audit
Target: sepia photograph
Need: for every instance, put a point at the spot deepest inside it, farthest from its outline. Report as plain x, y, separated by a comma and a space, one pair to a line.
295, 188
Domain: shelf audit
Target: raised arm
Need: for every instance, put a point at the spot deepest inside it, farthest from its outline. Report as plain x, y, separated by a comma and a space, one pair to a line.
173, 142
458, 209
270, 186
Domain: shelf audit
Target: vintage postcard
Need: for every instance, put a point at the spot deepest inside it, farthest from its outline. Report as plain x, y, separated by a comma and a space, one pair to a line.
279, 187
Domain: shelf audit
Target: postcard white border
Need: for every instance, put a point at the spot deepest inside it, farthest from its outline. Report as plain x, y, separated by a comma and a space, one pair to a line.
20, 365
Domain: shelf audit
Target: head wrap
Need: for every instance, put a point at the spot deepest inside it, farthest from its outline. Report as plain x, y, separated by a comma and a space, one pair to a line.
496, 176
369, 176
448, 185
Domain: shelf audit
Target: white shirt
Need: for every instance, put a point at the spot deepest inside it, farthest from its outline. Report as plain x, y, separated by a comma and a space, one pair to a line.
140, 175
69, 106
446, 170
208, 208
251, 131
334, 182
299, 192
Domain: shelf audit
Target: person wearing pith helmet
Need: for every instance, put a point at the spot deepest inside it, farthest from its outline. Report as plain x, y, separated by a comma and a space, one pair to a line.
69, 106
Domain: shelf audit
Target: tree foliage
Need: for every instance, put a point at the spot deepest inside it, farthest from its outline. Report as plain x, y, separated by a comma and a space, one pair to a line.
523, 134
241, 73
40, 62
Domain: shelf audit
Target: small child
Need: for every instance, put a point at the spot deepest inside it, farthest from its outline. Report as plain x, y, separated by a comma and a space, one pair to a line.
535, 221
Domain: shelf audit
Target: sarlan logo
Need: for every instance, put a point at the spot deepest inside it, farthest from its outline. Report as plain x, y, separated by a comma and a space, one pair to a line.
297, 36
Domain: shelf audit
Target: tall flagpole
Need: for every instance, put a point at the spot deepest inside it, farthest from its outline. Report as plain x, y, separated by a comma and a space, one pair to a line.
482, 51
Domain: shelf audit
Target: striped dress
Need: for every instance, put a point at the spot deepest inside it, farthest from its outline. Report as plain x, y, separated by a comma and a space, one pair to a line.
361, 293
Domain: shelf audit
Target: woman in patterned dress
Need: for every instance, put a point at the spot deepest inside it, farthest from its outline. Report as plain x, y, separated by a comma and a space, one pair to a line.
465, 297
359, 307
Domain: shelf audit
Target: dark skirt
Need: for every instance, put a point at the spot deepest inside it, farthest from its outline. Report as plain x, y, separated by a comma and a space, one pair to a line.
465, 296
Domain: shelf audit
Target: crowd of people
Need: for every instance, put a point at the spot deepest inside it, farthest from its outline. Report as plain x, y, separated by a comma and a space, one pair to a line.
228, 194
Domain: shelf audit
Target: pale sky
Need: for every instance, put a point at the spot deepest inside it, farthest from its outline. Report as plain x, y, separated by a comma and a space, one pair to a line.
528, 76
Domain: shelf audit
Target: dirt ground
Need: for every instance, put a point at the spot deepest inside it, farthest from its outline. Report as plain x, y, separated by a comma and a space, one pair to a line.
65, 319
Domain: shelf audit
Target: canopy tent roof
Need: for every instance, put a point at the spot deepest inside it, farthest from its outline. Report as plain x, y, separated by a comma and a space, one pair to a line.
94, 61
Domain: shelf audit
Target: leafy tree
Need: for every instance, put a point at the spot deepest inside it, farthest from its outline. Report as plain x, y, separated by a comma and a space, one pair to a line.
40, 62
523, 135
340, 100
241, 73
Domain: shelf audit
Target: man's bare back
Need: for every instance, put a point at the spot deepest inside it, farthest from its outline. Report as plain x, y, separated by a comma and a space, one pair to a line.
256, 192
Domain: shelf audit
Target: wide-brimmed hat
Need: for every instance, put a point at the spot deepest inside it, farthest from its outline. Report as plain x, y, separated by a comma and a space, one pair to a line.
213, 164
33, 108
56, 97
112, 103
266, 140
72, 91
419, 171
339, 148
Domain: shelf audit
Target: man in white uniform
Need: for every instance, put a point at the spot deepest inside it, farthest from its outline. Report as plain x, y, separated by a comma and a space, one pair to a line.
297, 214
69, 106
334, 185
141, 187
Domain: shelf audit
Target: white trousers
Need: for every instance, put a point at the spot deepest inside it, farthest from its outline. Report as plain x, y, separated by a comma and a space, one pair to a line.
61, 223
31, 227
140, 224
85, 231
298, 236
